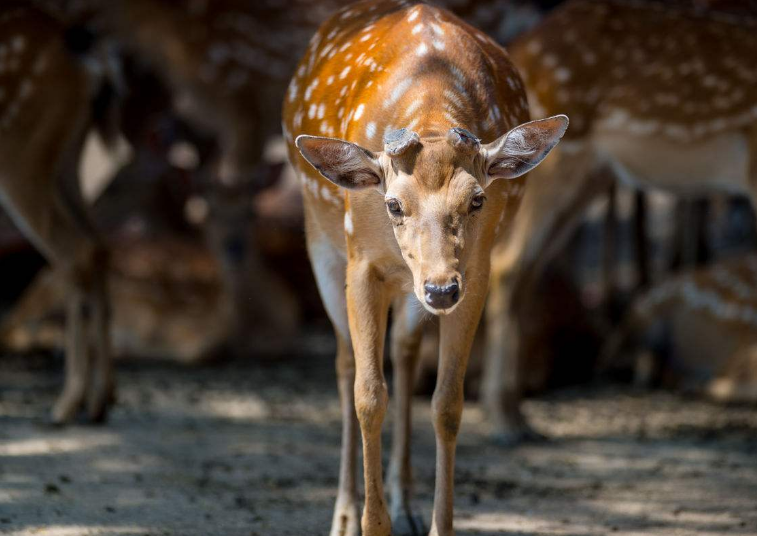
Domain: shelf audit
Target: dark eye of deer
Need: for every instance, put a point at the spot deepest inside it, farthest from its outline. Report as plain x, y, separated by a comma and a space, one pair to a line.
394, 207
477, 202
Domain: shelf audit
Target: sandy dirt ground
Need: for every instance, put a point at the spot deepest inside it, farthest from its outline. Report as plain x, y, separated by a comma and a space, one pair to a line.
251, 448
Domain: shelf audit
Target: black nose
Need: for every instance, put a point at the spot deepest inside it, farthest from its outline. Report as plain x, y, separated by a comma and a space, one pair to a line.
442, 297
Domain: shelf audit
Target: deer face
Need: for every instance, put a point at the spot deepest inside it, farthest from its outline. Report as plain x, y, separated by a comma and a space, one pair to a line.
435, 192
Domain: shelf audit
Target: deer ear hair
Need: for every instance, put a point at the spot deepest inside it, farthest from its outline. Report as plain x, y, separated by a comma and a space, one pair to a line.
523, 148
345, 164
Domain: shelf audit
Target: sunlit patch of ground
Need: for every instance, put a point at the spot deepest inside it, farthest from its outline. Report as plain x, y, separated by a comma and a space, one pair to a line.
245, 448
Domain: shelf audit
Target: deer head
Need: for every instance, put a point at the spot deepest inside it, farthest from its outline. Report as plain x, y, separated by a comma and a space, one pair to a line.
435, 191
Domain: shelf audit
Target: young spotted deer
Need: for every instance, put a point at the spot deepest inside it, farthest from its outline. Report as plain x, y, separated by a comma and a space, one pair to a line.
45, 111
695, 331
406, 222
662, 97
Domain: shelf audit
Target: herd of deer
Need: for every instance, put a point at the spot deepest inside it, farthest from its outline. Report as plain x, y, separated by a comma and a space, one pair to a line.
410, 131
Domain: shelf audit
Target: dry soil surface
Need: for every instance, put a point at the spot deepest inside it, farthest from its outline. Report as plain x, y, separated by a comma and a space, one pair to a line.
251, 448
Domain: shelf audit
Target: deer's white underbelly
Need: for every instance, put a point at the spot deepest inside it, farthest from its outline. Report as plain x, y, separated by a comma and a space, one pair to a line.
719, 163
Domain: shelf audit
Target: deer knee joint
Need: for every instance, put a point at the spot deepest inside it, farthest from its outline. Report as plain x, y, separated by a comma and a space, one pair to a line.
447, 408
371, 399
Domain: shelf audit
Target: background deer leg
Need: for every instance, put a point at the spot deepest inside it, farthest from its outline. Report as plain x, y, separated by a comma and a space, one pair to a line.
101, 392
77, 363
501, 385
456, 338
405, 344
558, 191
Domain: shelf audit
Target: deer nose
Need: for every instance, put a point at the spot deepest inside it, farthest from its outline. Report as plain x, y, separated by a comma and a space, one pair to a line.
442, 297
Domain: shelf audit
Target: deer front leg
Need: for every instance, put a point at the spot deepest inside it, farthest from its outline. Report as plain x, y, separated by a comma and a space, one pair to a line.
405, 343
367, 307
456, 338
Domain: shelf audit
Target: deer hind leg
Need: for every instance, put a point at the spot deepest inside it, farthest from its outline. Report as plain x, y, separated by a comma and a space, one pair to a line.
77, 363
405, 344
556, 195
329, 270
501, 385
51, 213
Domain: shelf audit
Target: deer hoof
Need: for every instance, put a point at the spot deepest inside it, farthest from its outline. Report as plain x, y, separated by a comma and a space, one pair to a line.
346, 520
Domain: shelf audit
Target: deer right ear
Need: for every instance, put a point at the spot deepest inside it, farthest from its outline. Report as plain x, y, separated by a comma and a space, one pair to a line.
345, 164
523, 148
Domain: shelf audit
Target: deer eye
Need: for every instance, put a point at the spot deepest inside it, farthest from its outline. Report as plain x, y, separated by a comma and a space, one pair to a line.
394, 207
477, 202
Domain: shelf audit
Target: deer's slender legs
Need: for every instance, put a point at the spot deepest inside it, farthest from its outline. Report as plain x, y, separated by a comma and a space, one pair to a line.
101, 391
367, 306
501, 382
456, 338
347, 511
77, 363
405, 343
330, 269
557, 193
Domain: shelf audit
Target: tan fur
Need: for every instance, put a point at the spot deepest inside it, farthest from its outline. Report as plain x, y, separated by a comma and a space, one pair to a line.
371, 69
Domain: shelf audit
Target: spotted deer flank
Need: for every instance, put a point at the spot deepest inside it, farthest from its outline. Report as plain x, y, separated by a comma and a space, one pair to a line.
701, 329
643, 68
409, 130
661, 95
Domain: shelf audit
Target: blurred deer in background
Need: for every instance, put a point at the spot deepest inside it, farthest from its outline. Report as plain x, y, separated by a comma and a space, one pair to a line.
695, 331
46, 96
413, 227
661, 97
226, 64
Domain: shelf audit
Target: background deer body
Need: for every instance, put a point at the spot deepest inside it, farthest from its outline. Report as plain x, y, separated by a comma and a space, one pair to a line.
695, 331
662, 97
373, 68
45, 98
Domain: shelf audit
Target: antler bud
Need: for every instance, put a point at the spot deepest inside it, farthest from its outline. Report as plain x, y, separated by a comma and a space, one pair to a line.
397, 142
463, 140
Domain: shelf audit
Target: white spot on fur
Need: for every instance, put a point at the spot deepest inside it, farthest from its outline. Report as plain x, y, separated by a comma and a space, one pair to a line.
417, 28
422, 49
562, 74
370, 130
359, 111
413, 106
348, 228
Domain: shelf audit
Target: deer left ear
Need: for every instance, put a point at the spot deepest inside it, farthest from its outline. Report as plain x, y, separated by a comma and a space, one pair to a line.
345, 164
523, 148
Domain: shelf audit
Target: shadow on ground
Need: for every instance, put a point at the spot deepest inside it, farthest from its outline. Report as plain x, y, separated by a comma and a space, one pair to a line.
251, 448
